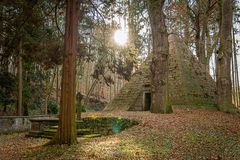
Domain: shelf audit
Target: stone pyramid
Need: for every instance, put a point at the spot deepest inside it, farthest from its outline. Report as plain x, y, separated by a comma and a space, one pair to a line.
189, 84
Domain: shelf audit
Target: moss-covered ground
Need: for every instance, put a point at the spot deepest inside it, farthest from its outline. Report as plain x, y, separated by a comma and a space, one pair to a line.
90, 127
184, 134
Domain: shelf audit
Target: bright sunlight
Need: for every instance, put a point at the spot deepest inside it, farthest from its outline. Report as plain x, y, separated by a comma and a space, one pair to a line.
120, 37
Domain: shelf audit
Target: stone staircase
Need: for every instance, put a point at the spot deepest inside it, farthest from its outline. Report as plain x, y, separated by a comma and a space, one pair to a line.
88, 127
52, 130
129, 94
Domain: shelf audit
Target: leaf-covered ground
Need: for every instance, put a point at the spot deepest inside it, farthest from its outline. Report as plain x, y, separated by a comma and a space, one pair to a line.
185, 134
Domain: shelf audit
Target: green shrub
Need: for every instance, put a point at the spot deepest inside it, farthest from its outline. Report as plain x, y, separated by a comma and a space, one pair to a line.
52, 107
83, 108
80, 107
7, 89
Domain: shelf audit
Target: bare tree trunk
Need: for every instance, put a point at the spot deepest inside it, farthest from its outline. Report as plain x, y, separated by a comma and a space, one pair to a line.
233, 82
20, 83
209, 51
236, 77
114, 85
87, 76
198, 37
49, 91
110, 92
204, 57
67, 119
159, 66
90, 91
224, 85
57, 87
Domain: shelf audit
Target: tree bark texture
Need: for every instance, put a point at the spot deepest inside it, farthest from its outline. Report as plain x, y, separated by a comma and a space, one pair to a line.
49, 90
20, 83
224, 85
67, 125
159, 66
57, 86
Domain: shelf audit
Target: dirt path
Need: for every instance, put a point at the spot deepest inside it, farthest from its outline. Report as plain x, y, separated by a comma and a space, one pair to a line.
185, 134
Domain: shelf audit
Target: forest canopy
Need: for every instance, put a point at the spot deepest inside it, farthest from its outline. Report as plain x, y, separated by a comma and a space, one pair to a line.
115, 38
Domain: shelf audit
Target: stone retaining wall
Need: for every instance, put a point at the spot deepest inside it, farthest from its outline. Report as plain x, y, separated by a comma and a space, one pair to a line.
16, 123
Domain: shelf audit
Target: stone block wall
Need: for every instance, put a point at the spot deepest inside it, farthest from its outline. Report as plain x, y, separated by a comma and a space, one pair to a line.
17, 123
14, 124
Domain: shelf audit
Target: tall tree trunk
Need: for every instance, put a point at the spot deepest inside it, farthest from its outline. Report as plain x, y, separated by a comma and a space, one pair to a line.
90, 91
159, 66
209, 52
87, 78
199, 40
57, 86
20, 83
224, 85
67, 126
49, 91
236, 76
203, 56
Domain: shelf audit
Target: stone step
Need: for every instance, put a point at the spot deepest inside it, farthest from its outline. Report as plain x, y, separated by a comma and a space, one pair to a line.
53, 127
34, 134
46, 136
52, 132
49, 132
83, 131
90, 136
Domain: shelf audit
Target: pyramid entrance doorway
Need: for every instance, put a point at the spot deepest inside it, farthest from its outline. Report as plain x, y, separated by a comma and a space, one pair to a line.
146, 101
147, 96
